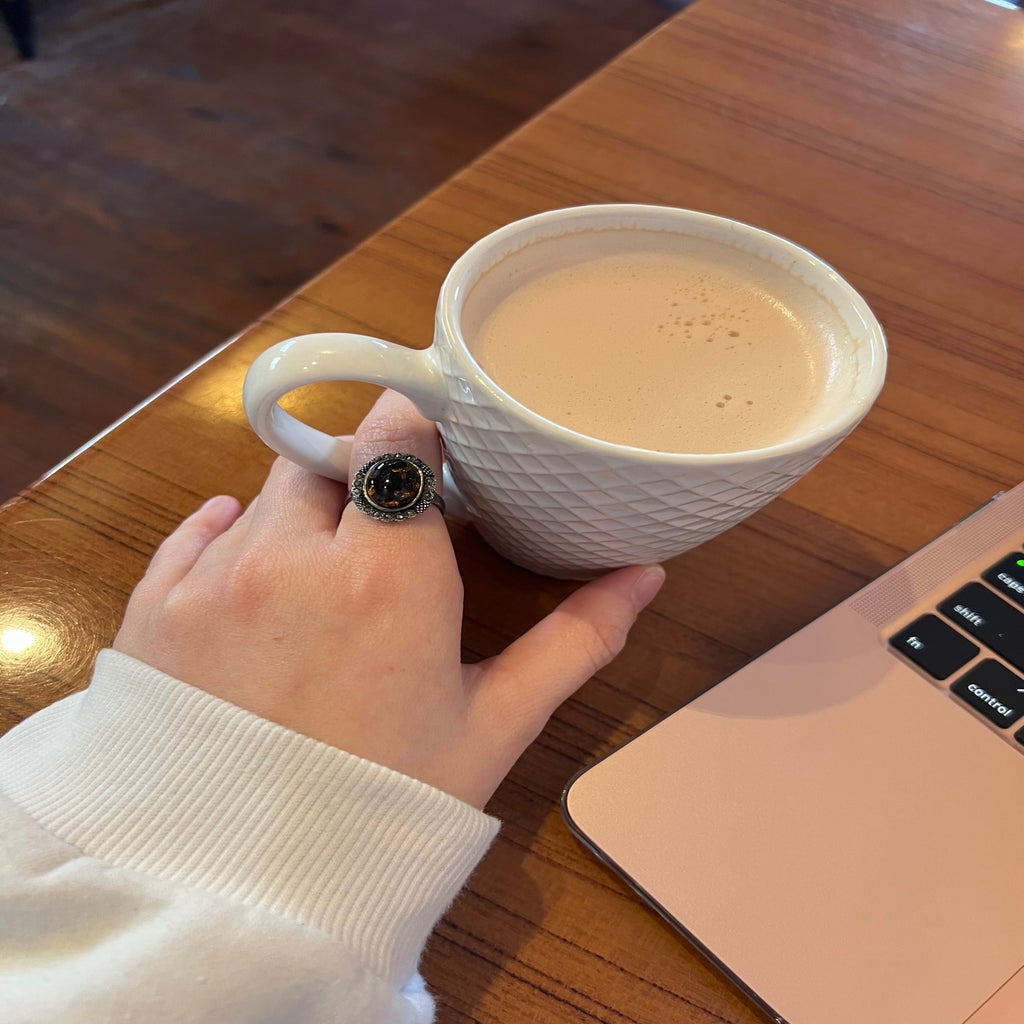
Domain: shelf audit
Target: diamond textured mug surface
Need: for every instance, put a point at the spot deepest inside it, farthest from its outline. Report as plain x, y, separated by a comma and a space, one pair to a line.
562, 511
548, 498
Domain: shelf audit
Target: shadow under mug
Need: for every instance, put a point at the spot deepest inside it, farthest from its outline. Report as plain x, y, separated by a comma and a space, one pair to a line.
548, 498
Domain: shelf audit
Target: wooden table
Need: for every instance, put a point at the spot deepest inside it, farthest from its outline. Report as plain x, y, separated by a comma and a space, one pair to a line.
885, 135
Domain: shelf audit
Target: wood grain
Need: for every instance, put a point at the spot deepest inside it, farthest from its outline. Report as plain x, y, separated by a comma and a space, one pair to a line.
172, 168
885, 135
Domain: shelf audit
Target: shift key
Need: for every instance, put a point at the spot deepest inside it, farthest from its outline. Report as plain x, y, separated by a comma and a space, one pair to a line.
988, 618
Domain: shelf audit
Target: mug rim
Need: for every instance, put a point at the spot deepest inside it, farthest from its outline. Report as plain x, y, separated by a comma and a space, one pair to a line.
467, 269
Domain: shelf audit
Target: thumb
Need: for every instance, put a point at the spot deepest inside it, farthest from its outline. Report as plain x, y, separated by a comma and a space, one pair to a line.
558, 655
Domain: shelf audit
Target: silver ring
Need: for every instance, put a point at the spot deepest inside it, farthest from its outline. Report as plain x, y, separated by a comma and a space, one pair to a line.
395, 486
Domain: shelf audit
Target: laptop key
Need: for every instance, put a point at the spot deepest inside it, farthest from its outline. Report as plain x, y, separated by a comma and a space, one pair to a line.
937, 648
994, 690
1007, 577
988, 618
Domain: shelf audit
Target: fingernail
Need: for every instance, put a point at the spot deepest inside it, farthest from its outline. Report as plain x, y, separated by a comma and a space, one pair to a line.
211, 503
647, 586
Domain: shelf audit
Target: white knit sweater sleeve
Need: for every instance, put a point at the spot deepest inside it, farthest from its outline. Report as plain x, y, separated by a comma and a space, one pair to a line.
166, 856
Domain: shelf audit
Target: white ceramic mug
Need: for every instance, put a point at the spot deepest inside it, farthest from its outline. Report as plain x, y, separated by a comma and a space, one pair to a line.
551, 499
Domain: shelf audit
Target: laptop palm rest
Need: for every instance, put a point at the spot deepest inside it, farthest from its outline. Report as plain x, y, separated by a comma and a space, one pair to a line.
833, 829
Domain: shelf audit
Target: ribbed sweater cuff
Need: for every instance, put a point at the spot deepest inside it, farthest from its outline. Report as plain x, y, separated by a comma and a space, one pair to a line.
144, 771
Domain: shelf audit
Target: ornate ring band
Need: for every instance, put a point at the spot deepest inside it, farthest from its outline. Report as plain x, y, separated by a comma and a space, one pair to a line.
395, 486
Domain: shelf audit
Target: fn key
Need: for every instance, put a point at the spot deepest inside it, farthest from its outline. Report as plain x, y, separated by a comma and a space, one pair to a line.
939, 649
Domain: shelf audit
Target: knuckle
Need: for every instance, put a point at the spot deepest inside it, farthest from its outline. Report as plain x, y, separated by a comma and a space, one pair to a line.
246, 580
238, 592
606, 642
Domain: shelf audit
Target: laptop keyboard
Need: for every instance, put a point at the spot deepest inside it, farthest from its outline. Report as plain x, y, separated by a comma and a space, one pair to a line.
979, 619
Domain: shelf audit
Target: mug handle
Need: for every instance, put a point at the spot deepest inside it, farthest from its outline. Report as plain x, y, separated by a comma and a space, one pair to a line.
315, 358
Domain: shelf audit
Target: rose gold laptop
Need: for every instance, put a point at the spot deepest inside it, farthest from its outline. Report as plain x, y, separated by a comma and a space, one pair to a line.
839, 825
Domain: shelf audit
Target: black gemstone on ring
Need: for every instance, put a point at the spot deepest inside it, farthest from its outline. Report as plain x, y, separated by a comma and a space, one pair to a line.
394, 487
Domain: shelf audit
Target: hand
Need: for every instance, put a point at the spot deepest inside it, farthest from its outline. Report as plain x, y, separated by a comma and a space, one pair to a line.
348, 630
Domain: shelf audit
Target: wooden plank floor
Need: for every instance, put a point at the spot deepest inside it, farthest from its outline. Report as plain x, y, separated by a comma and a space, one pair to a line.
171, 168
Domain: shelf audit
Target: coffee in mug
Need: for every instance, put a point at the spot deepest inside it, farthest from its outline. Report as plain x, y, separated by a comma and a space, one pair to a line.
588, 422
675, 347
